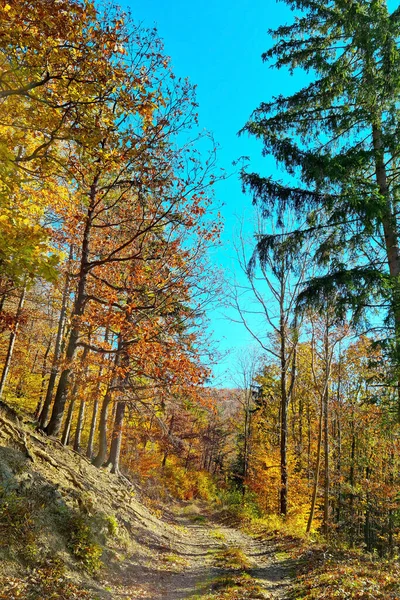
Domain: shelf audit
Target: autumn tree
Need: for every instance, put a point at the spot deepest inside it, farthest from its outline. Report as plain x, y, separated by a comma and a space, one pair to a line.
55, 65
129, 173
275, 274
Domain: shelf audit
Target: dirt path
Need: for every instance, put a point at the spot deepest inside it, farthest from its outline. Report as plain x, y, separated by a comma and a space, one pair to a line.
186, 566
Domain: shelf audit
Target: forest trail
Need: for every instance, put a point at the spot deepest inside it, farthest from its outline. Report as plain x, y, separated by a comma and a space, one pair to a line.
204, 554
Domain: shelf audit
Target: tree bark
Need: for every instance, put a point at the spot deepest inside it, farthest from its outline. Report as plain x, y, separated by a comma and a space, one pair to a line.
11, 344
44, 370
89, 450
326, 436
116, 441
317, 468
246, 435
352, 478
44, 414
79, 426
283, 496
100, 458
166, 452
68, 421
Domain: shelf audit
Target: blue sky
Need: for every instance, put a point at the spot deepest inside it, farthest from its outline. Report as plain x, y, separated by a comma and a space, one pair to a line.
218, 45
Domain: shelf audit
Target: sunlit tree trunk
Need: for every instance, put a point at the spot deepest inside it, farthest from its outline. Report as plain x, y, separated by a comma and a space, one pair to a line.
44, 415
11, 343
100, 458
95, 410
44, 373
116, 441
326, 435
68, 421
79, 426
93, 423
317, 468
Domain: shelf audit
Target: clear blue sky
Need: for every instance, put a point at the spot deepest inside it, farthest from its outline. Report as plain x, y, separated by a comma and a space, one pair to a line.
218, 45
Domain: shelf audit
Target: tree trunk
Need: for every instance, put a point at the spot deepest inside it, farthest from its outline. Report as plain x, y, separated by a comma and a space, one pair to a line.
44, 415
308, 441
89, 450
79, 426
326, 436
11, 344
2, 301
100, 458
54, 425
116, 441
170, 429
246, 435
81, 415
317, 468
68, 421
367, 523
283, 496
352, 479
44, 369
339, 469
391, 516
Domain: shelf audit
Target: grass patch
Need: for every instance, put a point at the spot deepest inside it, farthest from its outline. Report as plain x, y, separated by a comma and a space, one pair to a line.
175, 560
217, 535
294, 526
199, 519
231, 558
233, 587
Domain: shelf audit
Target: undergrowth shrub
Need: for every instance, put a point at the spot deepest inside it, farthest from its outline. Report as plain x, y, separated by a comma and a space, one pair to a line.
112, 525
187, 485
18, 529
83, 544
86, 531
241, 506
293, 525
245, 508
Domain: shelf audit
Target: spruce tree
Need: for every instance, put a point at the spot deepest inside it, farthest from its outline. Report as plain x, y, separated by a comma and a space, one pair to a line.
338, 139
